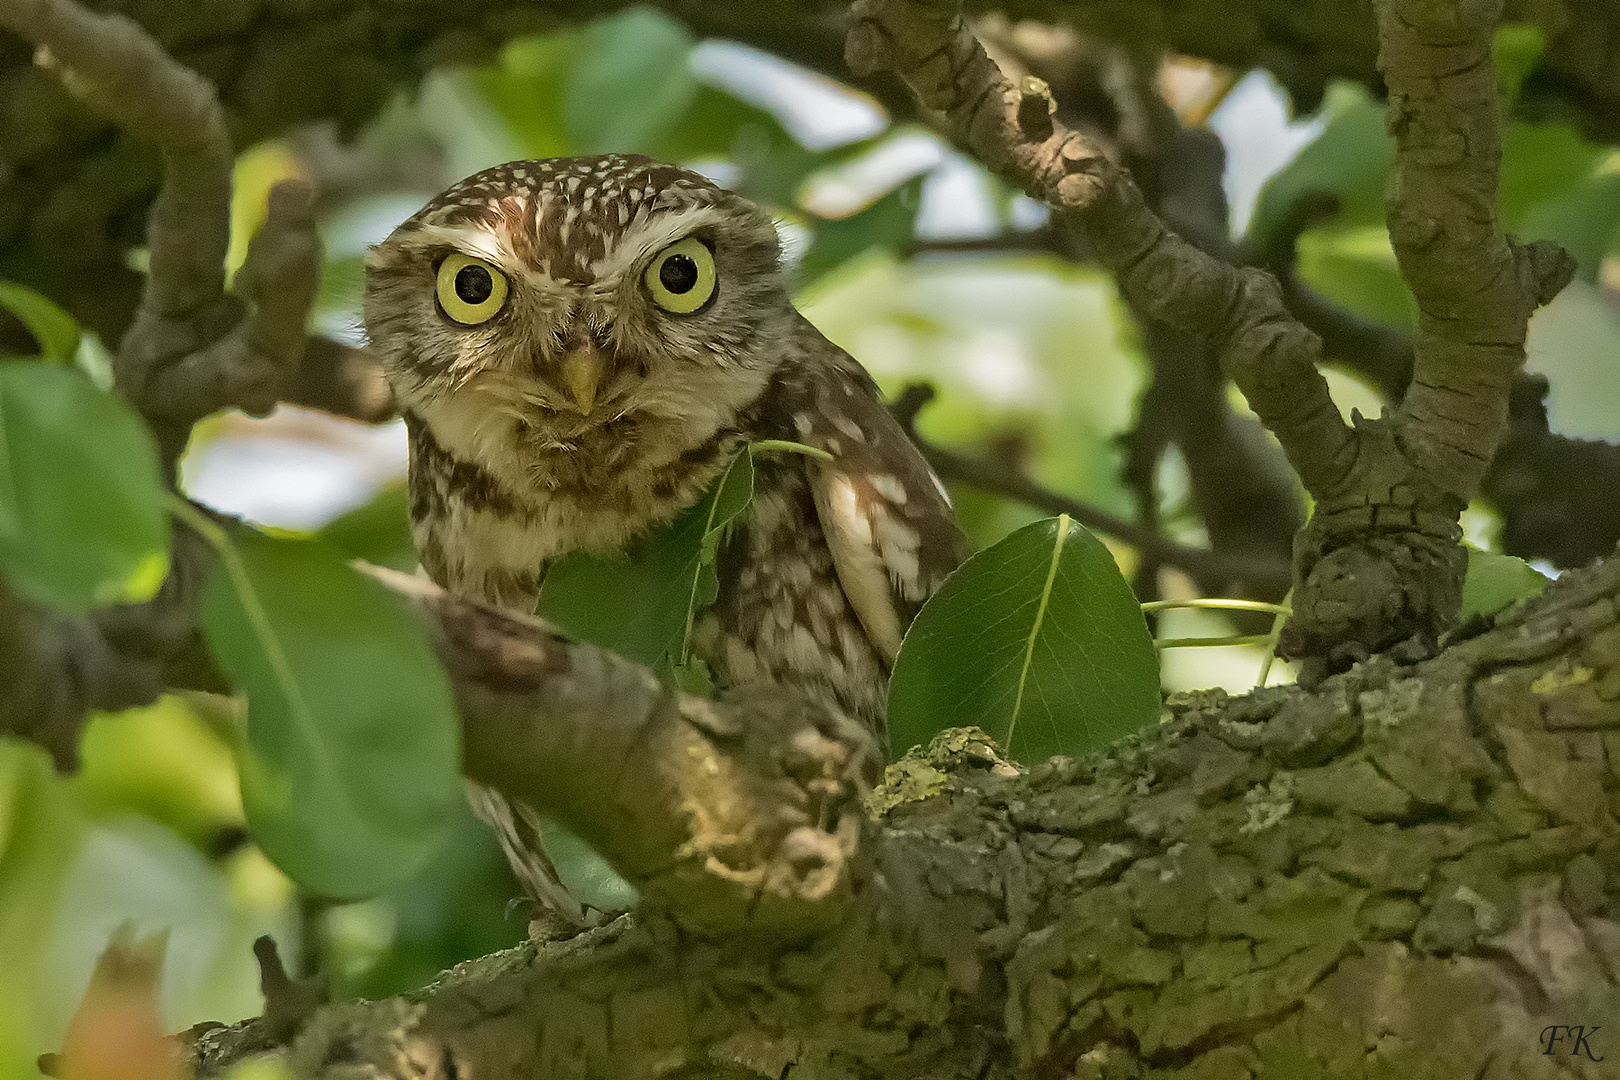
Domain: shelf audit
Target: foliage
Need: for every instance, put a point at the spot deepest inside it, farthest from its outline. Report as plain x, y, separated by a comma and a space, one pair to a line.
81, 519
351, 763
1496, 581
347, 757
1038, 640
642, 605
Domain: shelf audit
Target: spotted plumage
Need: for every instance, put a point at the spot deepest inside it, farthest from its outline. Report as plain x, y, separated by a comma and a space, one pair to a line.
580, 346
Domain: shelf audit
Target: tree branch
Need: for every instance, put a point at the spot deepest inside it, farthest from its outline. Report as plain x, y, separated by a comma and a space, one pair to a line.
1218, 893
192, 349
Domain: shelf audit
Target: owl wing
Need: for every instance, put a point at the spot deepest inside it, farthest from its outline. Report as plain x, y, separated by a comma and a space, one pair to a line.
886, 517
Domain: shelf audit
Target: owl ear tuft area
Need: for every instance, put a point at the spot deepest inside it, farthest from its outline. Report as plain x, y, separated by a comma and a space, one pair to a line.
682, 278
470, 290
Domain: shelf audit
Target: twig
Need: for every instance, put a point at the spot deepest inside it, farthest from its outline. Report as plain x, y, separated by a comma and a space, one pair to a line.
1216, 570
288, 1002
340, 380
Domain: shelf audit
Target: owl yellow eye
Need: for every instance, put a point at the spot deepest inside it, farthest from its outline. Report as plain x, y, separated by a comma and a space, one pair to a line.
681, 277
471, 291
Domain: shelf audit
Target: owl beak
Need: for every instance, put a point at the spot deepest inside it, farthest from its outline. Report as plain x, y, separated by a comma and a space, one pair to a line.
582, 371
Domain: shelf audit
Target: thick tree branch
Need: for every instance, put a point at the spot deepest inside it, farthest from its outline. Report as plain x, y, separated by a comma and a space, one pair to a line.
741, 814
1475, 289
1411, 869
736, 815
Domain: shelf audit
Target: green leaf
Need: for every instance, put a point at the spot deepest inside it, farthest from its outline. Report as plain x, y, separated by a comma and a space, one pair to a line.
1541, 163
1038, 640
56, 331
350, 769
378, 532
1518, 48
642, 605
1350, 159
717, 125
1356, 267
526, 92
630, 81
888, 224
1495, 581
82, 521
1584, 220
586, 874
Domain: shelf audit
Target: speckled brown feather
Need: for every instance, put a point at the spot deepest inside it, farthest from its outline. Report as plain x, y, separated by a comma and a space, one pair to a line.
833, 559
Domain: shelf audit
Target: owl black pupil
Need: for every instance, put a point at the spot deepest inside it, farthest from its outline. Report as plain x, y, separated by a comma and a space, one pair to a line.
678, 274
473, 284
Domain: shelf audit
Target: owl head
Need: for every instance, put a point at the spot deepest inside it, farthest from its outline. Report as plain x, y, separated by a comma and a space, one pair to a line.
572, 294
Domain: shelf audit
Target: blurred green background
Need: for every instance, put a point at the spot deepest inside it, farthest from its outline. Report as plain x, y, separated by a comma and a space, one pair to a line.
1032, 356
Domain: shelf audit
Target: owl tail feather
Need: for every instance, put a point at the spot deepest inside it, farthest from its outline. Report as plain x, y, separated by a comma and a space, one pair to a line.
556, 913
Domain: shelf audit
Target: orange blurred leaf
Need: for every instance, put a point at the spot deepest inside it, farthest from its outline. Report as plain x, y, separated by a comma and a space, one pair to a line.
117, 1032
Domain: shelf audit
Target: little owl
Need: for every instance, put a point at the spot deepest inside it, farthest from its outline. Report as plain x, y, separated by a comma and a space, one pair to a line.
580, 347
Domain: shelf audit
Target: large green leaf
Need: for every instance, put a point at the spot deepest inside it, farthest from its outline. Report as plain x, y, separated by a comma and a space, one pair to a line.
350, 769
1038, 640
82, 522
56, 331
630, 81
642, 605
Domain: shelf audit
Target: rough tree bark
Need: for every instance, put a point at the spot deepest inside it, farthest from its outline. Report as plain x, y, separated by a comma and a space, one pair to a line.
1408, 869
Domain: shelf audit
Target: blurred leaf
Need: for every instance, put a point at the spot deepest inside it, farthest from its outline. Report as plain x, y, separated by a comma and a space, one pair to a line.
1494, 581
1518, 48
1038, 640
526, 91
641, 606
350, 768
93, 359
1584, 220
378, 532
1356, 267
888, 224
261, 1067
1541, 162
453, 908
716, 125
82, 521
118, 1031
629, 82
1350, 160
39, 833
164, 763
132, 870
56, 331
